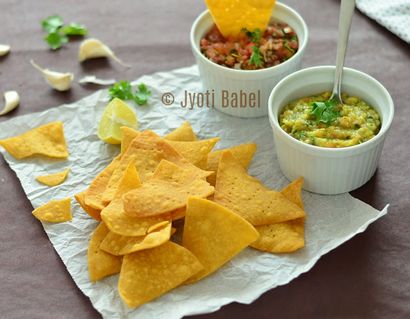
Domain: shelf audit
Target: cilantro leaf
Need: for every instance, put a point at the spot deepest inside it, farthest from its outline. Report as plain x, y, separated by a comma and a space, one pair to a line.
74, 29
256, 57
55, 40
141, 96
325, 112
52, 23
255, 35
123, 91
57, 32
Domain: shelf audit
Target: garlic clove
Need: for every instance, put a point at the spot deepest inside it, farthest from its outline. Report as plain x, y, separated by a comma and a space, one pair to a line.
12, 100
57, 80
94, 80
93, 48
4, 49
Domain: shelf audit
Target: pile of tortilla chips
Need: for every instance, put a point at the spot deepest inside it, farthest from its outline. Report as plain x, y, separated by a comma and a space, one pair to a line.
176, 184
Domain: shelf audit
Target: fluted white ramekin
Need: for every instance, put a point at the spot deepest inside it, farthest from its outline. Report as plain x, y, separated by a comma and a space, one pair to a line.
329, 170
217, 78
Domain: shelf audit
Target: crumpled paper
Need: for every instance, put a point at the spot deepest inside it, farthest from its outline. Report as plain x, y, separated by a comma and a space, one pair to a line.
331, 220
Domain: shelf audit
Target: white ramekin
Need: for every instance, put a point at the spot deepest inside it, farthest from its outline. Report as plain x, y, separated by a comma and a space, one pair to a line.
217, 78
329, 170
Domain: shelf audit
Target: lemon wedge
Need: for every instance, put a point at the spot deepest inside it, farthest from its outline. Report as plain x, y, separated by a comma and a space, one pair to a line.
116, 114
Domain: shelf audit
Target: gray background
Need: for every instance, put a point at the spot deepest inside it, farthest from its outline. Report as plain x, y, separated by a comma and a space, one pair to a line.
368, 277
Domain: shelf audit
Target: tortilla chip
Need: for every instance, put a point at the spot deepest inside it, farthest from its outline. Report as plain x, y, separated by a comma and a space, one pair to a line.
243, 153
195, 152
293, 192
93, 194
248, 197
167, 190
148, 150
288, 236
100, 263
281, 237
55, 211
53, 179
123, 224
47, 140
231, 16
94, 213
122, 245
178, 214
148, 274
182, 133
117, 220
214, 234
128, 134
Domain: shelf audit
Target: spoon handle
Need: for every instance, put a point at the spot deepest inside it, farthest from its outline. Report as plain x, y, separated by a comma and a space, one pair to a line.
345, 20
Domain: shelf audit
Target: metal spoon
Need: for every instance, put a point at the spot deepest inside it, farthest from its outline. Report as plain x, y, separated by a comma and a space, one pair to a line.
345, 20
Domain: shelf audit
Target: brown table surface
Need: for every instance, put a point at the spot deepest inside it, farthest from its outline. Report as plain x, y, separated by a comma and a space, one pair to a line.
367, 277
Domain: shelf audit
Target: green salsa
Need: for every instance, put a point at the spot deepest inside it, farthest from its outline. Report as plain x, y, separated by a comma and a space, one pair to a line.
356, 122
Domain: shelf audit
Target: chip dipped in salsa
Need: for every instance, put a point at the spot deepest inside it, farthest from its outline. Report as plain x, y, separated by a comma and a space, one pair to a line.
251, 49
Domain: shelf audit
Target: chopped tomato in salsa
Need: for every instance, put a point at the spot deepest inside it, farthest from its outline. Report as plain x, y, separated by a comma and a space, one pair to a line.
251, 50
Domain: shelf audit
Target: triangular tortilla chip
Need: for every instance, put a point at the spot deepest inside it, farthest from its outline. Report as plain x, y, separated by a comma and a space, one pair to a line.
94, 213
293, 192
248, 197
100, 263
148, 274
148, 149
122, 245
167, 190
128, 134
117, 220
281, 237
231, 16
55, 211
214, 234
93, 194
182, 133
243, 153
288, 236
195, 152
47, 140
53, 179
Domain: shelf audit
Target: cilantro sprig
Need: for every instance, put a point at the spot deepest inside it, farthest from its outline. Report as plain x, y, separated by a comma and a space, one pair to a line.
58, 34
325, 112
255, 35
256, 56
123, 90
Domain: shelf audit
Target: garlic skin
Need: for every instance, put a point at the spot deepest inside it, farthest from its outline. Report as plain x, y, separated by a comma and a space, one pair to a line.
92, 79
12, 100
4, 49
57, 80
94, 48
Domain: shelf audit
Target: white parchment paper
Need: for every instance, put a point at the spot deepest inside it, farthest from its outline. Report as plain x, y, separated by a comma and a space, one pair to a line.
331, 220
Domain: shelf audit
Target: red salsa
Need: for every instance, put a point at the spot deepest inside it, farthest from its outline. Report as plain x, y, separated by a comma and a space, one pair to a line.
251, 50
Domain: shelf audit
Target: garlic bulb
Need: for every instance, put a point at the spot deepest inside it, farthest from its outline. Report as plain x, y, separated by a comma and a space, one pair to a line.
93, 48
12, 100
4, 49
94, 80
57, 80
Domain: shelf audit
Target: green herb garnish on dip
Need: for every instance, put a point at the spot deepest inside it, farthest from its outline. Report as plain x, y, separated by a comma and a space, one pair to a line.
315, 120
